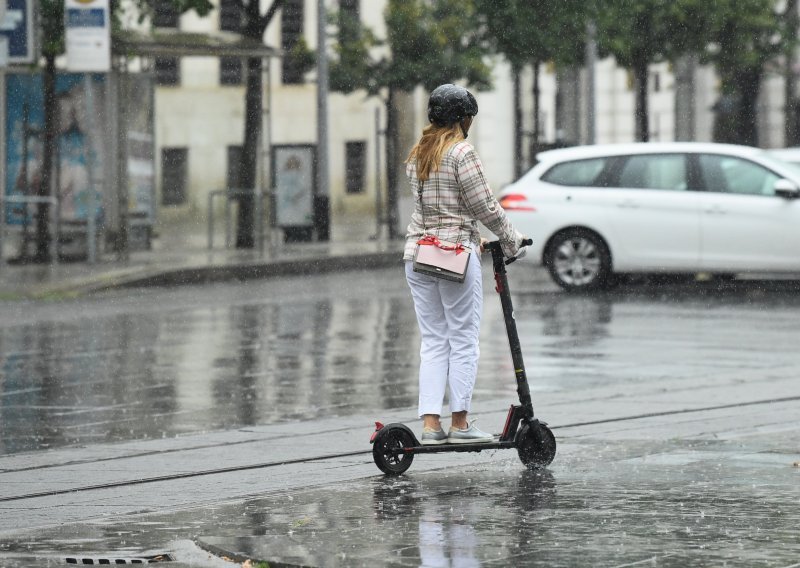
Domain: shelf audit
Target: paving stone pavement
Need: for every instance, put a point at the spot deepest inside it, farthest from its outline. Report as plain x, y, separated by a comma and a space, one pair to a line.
692, 475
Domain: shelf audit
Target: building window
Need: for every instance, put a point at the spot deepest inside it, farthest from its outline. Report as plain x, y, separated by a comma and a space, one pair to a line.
230, 71
656, 82
230, 17
174, 169
165, 14
355, 162
291, 33
168, 71
234, 175
230, 20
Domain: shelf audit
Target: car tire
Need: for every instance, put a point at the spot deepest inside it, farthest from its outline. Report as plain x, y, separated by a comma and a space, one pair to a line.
578, 260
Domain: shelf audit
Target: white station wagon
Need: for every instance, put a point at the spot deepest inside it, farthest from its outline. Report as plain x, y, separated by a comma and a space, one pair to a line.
594, 211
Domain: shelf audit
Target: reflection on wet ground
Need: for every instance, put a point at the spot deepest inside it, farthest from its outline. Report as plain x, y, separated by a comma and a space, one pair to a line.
158, 363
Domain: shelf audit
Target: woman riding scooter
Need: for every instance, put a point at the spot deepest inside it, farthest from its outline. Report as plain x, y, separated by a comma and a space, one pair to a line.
455, 196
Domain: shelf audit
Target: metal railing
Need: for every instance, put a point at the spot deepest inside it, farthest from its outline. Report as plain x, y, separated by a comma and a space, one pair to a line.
32, 200
230, 195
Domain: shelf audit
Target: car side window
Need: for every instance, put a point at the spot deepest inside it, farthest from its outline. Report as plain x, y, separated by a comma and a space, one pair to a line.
728, 174
654, 171
576, 173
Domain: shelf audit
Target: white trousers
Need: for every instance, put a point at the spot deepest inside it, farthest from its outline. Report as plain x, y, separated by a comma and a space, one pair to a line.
449, 318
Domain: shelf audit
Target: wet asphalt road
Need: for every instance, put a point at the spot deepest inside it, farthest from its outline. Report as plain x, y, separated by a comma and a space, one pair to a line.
156, 363
707, 488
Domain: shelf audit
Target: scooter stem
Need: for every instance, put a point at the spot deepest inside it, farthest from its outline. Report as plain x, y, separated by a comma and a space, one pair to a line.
501, 281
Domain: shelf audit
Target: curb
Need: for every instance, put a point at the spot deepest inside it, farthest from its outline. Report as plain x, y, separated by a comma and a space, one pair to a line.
253, 271
195, 275
239, 558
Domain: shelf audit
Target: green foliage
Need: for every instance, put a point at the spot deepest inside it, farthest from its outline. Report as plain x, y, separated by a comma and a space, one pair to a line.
350, 69
637, 32
51, 15
526, 31
145, 8
303, 57
730, 34
744, 34
429, 42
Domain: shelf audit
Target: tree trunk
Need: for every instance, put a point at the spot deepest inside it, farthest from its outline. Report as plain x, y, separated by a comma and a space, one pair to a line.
254, 26
791, 104
537, 93
392, 164
48, 154
515, 73
245, 227
640, 73
750, 85
736, 118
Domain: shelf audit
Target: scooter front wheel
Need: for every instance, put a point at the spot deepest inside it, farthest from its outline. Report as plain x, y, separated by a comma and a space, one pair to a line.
388, 449
536, 445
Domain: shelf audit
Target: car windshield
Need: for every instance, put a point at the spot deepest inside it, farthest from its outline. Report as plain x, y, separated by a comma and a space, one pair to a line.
773, 160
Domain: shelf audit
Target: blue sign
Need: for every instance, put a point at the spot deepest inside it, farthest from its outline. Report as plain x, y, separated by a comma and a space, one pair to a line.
17, 27
78, 18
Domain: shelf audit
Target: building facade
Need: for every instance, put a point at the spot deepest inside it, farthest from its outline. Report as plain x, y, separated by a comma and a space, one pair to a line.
200, 115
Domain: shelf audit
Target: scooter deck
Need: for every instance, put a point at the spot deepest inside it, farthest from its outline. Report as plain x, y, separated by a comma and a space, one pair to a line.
497, 444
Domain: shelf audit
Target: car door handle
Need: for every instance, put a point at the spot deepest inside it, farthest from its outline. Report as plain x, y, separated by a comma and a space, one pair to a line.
628, 204
715, 210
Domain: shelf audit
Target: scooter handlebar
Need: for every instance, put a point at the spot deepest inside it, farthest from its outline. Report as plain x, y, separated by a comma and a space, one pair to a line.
526, 242
495, 246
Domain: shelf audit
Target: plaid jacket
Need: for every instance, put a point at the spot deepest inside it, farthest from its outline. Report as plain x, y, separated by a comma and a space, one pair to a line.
454, 198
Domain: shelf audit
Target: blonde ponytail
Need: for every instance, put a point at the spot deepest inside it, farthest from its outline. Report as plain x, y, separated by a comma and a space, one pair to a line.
431, 146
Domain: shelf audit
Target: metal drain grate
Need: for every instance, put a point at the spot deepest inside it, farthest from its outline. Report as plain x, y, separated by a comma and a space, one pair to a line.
103, 560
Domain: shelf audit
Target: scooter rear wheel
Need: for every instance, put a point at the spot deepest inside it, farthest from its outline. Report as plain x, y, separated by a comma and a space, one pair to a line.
536, 445
387, 450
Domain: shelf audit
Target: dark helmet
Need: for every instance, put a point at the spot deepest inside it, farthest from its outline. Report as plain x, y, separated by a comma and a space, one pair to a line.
449, 104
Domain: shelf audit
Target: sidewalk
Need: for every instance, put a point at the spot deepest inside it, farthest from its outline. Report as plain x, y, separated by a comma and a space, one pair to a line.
180, 256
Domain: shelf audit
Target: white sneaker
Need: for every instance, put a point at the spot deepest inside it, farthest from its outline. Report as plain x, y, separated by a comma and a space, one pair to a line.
431, 437
468, 435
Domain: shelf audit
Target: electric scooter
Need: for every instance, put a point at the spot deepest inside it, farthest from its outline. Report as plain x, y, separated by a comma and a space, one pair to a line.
395, 445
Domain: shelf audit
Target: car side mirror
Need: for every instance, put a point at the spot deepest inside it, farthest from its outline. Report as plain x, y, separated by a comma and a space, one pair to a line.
786, 189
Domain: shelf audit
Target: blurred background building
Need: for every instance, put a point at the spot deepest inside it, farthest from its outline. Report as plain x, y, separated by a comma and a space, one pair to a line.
199, 120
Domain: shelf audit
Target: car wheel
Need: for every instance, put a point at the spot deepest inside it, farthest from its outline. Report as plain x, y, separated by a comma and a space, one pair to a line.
578, 259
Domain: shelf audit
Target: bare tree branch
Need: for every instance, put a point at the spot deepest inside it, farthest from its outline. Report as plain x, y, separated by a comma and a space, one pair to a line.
267, 17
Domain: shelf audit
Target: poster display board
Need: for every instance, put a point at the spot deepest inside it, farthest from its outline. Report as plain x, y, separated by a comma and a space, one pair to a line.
141, 146
140, 149
294, 178
75, 144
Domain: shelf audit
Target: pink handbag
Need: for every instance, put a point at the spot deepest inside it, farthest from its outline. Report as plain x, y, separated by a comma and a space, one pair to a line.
441, 259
